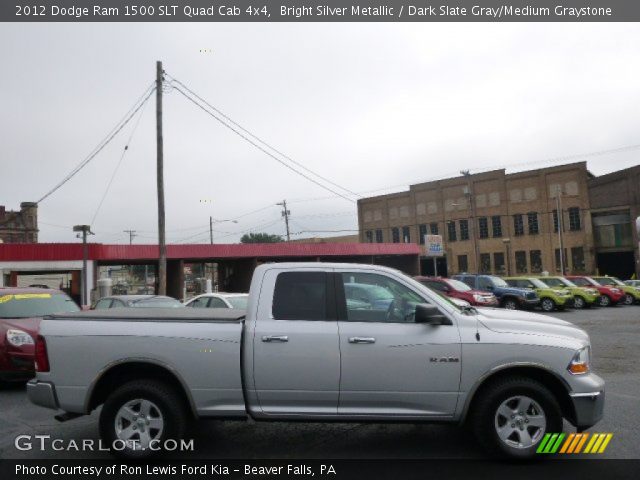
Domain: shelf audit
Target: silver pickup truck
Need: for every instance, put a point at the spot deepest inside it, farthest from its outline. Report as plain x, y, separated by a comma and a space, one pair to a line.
333, 342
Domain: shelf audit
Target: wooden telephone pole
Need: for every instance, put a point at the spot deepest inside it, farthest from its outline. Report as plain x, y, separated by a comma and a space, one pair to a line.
162, 260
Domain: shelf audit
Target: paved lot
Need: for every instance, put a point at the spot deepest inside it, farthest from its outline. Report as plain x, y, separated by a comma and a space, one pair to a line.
615, 334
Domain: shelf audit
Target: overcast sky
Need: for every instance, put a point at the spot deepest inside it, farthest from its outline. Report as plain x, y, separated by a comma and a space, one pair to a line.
368, 106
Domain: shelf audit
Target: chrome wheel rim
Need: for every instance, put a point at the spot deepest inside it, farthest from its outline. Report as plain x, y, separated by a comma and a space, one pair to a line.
520, 422
547, 305
628, 299
510, 305
138, 423
604, 300
578, 302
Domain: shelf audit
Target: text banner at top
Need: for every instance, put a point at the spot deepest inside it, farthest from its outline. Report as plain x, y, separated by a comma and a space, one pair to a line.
319, 11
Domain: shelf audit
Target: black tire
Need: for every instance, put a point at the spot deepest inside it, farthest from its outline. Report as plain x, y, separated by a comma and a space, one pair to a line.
628, 299
579, 302
604, 301
485, 416
510, 304
547, 305
167, 404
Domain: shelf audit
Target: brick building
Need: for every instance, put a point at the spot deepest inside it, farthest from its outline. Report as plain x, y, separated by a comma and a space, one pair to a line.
502, 223
19, 226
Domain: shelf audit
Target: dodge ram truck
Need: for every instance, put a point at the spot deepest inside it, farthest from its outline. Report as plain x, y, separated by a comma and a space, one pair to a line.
304, 349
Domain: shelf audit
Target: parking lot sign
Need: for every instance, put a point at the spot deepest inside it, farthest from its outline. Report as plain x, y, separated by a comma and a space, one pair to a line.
433, 246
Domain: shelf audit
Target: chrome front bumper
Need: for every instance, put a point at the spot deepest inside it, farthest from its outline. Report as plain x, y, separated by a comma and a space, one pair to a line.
589, 408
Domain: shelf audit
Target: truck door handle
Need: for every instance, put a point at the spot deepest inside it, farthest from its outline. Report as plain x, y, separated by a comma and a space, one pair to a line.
275, 338
362, 340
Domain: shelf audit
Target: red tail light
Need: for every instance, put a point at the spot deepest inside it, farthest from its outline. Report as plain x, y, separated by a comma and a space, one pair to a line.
41, 357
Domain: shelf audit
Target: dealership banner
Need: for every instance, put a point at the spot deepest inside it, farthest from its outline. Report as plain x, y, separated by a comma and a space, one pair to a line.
395, 469
319, 11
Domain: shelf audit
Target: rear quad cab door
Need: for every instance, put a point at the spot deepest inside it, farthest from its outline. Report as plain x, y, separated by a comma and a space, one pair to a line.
391, 366
296, 353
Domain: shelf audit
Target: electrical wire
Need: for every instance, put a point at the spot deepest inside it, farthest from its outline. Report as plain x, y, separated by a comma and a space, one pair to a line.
127, 118
260, 140
262, 149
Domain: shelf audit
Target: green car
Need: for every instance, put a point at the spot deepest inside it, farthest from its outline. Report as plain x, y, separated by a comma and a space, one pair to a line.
583, 297
550, 298
631, 293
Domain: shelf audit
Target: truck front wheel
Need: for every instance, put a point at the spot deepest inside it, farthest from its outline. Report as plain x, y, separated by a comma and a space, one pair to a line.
510, 304
512, 416
139, 417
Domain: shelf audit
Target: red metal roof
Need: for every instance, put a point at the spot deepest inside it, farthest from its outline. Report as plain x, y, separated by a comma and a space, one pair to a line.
97, 251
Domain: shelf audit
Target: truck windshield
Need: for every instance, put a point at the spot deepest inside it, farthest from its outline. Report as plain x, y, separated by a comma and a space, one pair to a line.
28, 305
498, 282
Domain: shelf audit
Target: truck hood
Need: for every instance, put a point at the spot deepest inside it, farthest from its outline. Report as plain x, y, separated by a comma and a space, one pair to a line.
522, 292
510, 321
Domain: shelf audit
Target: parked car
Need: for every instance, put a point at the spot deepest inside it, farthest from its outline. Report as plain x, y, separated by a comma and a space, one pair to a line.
300, 352
550, 298
508, 297
136, 301
632, 283
21, 310
583, 297
631, 294
609, 296
219, 300
457, 289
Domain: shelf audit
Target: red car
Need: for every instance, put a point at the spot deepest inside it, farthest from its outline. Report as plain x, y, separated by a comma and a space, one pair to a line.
457, 289
609, 295
21, 310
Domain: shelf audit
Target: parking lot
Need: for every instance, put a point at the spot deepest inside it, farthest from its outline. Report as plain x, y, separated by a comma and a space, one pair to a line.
615, 335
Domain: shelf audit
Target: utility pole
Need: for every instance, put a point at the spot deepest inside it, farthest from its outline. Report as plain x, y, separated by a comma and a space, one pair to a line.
560, 228
211, 229
285, 214
85, 230
474, 226
132, 235
162, 260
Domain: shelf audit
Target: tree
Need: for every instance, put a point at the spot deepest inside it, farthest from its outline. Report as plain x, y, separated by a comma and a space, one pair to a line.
261, 238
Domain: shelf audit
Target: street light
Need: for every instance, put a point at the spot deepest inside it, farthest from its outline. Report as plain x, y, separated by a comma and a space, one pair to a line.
212, 221
85, 230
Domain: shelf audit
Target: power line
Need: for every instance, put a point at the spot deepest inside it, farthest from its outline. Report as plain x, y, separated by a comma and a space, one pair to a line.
263, 150
236, 124
115, 171
102, 144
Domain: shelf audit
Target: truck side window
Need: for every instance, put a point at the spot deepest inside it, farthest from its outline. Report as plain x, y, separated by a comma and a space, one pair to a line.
386, 300
300, 296
485, 283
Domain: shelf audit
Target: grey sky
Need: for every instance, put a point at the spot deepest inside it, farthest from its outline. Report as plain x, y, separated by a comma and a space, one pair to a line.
366, 105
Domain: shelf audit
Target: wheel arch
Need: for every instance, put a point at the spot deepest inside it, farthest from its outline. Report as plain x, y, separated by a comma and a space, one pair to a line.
119, 373
556, 384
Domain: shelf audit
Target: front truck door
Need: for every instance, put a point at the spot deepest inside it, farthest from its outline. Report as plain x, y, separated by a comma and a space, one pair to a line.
296, 347
392, 366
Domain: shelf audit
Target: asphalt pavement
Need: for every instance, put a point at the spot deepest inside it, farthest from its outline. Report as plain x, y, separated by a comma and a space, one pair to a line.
615, 336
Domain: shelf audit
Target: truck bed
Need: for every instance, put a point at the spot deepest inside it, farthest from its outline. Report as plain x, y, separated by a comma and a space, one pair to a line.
156, 315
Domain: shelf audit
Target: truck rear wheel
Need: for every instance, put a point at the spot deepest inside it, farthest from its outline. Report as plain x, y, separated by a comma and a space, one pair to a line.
512, 416
138, 417
510, 304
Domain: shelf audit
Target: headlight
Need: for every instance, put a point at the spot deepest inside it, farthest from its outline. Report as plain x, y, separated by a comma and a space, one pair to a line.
478, 298
580, 362
17, 338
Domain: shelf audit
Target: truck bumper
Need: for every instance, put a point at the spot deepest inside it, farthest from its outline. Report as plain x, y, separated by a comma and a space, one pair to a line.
588, 406
42, 394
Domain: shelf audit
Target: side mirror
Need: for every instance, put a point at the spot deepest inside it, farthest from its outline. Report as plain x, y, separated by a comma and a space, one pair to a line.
426, 313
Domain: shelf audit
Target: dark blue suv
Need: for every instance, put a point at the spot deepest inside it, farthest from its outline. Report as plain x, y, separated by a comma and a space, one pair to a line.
509, 297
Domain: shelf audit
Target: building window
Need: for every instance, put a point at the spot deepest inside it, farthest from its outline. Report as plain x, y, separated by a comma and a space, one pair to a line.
369, 236
521, 261
483, 227
574, 219
463, 264
498, 263
464, 229
557, 258
406, 235
577, 259
379, 237
518, 225
496, 226
451, 231
555, 221
395, 235
422, 231
535, 259
534, 229
485, 263
434, 228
